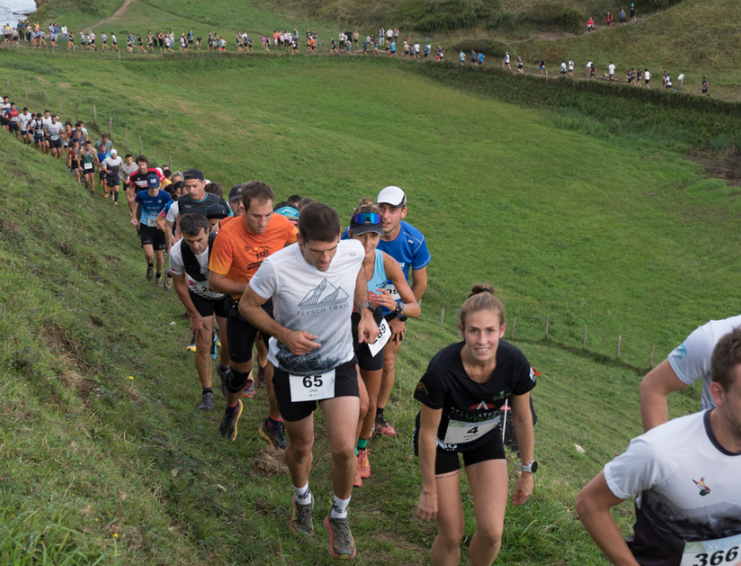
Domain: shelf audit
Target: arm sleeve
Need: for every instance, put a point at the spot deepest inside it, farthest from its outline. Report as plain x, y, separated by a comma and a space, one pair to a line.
429, 390
691, 360
421, 256
265, 281
220, 260
633, 471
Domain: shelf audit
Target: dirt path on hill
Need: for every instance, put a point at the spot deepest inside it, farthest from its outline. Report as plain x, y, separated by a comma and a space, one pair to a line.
553, 36
116, 15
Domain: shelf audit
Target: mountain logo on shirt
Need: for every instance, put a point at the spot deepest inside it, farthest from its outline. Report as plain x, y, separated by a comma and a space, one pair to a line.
704, 490
483, 406
324, 294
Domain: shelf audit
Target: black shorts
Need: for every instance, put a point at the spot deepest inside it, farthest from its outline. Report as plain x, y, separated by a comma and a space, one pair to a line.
366, 361
113, 181
446, 462
13, 127
102, 175
55, 144
38, 138
152, 236
74, 165
207, 307
705, 90
240, 333
389, 317
345, 385
90, 171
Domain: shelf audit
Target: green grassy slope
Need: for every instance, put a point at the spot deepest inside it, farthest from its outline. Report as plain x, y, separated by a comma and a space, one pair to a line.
589, 229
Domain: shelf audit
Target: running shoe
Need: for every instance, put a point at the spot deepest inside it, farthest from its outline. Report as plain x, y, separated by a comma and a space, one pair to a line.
341, 541
150, 273
214, 350
301, 518
273, 436
159, 282
358, 481
192, 345
363, 464
207, 402
223, 375
228, 426
381, 426
168, 280
249, 389
261, 375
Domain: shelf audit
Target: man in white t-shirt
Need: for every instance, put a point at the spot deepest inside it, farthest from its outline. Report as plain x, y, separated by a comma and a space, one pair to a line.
685, 475
189, 268
611, 71
55, 131
24, 121
686, 364
314, 285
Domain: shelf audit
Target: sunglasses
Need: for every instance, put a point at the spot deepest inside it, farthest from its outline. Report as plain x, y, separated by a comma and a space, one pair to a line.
367, 218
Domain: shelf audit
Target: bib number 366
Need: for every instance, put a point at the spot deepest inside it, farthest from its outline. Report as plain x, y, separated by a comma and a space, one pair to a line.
312, 387
720, 552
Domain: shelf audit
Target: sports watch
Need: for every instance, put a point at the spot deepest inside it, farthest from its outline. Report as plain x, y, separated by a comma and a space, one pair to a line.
530, 469
365, 305
400, 312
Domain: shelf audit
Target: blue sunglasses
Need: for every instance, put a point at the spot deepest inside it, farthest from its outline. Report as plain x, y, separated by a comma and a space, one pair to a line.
367, 218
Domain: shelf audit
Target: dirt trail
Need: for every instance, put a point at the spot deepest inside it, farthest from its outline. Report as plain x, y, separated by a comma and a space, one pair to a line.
116, 15
553, 36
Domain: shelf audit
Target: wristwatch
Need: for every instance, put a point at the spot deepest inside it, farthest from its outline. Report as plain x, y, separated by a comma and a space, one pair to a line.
400, 312
530, 469
365, 305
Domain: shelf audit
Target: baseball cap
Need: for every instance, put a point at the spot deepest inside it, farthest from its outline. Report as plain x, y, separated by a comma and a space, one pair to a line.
193, 174
366, 222
290, 212
392, 195
235, 193
153, 181
217, 210
114, 152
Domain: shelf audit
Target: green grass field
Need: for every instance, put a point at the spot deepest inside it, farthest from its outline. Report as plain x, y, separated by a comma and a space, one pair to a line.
565, 219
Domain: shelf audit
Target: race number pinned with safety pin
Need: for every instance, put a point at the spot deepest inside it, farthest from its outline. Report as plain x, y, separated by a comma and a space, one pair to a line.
460, 432
384, 333
718, 552
312, 387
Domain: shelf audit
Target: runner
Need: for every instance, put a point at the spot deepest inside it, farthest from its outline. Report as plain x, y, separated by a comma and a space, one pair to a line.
88, 162
571, 68
196, 200
563, 68
38, 127
632, 12
590, 24
314, 285
704, 87
24, 121
111, 165
153, 200
239, 250
647, 77
461, 393
188, 260
127, 169
507, 60
686, 364
520, 64
55, 131
407, 246
611, 71
12, 116
138, 181
541, 64
685, 473
379, 267
74, 150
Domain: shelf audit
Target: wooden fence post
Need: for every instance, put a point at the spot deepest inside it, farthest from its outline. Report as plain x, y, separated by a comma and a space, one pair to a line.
43, 98
442, 316
169, 162
26, 92
620, 339
61, 106
77, 119
110, 126
95, 114
546, 326
126, 134
585, 337
140, 145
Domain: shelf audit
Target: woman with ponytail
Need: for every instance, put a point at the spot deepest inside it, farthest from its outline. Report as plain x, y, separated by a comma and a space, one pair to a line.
461, 395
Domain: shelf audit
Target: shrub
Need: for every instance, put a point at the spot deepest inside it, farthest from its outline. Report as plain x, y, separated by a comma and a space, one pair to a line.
503, 20
571, 20
440, 16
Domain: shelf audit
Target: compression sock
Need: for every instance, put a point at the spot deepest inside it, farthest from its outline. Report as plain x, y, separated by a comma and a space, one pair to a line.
273, 423
208, 390
150, 264
339, 508
158, 276
303, 494
379, 412
232, 409
362, 444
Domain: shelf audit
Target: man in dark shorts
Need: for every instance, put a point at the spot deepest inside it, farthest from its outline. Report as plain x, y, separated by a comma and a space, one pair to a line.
241, 247
138, 180
189, 268
314, 285
705, 87
111, 165
153, 200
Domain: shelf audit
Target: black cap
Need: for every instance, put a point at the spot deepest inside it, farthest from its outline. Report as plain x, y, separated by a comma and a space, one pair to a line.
235, 193
193, 174
217, 210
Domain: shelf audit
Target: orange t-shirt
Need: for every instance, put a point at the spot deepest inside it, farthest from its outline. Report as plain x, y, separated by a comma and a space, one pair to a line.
238, 254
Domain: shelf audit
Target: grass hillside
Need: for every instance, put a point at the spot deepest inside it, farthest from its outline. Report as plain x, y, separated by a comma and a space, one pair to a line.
564, 216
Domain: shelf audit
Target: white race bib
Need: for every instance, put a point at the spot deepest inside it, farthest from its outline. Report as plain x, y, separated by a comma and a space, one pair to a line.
718, 552
460, 432
312, 387
87, 166
383, 336
393, 291
54, 137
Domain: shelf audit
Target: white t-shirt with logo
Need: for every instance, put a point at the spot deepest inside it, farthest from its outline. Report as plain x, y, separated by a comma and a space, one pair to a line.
54, 130
688, 489
24, 120
319, 302
691, 360
177, 267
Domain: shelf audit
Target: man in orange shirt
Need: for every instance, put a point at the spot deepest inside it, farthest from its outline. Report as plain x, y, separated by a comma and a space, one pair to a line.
237, 253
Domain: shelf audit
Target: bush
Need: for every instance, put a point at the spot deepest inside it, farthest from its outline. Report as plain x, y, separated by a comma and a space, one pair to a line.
571, 20
503, 20
429, 16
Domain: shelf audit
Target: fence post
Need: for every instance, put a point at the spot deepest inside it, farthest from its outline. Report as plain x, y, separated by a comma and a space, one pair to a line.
61, 106
77, 119
126, 134
26, 92
651, 359
43, 98
110, 126
8, 81
514, 322
585, 337
119, 55
442, 316
95, 114
140, 145
169, 162
546, 326
620, 339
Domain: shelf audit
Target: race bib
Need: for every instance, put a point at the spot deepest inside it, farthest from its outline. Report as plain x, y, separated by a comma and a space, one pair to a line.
460, 432
391, 288
87, 166
383, 336
718, 552
312, 387
54, 137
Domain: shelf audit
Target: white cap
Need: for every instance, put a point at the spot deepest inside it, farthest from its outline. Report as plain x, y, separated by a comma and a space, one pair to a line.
114, 152
392, 195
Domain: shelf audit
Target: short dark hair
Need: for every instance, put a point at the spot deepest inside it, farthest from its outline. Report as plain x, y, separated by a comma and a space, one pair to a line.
192, 224
215, 189
303, 202
294, 199
319, 222
256, 190
128, 155
726, 356
140, 158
